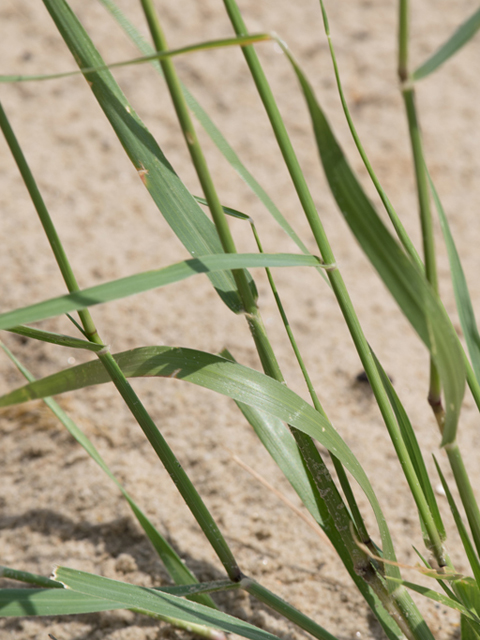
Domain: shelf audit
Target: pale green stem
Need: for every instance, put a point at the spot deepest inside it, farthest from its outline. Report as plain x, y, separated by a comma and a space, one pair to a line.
403, 28
334, 275
47, 223
423, 191
465, 490
255, 322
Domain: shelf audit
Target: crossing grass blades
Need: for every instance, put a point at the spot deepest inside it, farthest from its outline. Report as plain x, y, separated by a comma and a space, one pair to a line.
286, 425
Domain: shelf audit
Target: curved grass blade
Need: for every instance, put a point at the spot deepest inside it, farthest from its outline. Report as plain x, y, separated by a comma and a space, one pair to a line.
57, 338
177, 570
408, 286
147, 280
223, 376
460, 288
177, 205
462, 35
157, 602
212, 130
157, 55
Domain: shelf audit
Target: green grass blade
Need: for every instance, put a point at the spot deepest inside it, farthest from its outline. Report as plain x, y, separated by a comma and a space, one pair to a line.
411, 443
408, 286
341, 475
211, 129
281, 445
145, 281
439, 597
285, 609
177, 205
157, 602
462, 35
158, 55
460, 288
468, 629
29, 578
177, 570
465, 538
56, 338
51, 602
218, 374
397, 223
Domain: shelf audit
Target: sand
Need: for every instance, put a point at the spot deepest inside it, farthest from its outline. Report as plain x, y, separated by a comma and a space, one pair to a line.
56, 506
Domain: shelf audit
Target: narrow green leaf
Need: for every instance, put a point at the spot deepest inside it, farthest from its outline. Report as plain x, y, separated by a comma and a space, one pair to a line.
460, 288
469, 593
29, 578
468, 629
177, 205
411, 443
147, 280
157, 55
438, 597
462, 530
467, 589
51, 602
157, 602
462, 35
228, 210
285, 609
218, 374
56, 338
408, 286
281, 445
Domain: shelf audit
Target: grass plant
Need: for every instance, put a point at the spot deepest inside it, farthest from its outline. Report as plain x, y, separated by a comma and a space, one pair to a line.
288, 427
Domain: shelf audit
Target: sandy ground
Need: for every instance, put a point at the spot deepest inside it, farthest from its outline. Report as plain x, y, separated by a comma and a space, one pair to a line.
56, 506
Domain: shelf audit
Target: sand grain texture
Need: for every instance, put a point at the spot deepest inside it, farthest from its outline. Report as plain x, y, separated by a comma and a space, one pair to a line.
56, 506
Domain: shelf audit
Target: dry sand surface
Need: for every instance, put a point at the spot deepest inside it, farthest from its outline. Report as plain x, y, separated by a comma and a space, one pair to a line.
56, 506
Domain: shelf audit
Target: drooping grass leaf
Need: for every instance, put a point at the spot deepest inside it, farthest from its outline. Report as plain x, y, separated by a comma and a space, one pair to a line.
408, 286
223, 376
147, 280
462, 35
157, 602
177, 205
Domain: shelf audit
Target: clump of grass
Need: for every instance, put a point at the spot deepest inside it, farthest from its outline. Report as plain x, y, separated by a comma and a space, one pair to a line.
287, 426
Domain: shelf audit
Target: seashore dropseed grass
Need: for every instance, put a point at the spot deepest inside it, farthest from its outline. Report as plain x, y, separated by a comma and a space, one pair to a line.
270, 311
